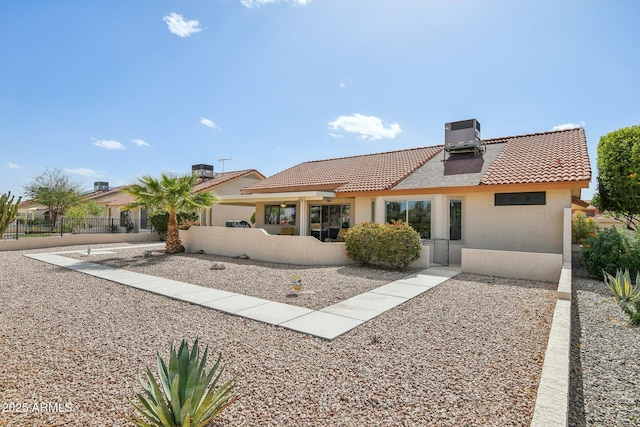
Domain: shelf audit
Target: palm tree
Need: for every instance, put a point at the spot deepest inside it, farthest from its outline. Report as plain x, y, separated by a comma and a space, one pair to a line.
172, 194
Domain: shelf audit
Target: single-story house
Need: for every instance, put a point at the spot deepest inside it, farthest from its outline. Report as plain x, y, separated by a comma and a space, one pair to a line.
218, 183
114, 199
505, 194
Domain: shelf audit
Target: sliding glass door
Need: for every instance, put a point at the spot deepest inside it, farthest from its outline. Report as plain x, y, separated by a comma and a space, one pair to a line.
325, 221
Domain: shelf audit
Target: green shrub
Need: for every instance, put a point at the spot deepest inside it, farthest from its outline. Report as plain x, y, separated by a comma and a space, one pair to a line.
625, 293
582, 227
160, 221
390, 246
186, 395
609, 250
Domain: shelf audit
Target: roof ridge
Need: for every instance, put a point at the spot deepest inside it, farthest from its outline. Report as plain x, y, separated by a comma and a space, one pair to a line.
501, 138
376, 154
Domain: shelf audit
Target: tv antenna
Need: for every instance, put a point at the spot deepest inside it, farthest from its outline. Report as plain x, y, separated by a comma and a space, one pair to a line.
224, 160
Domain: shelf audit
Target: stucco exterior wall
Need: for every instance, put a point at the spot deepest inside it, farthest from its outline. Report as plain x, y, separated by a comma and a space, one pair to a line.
514, 228
76, 239
518, 265
261, 246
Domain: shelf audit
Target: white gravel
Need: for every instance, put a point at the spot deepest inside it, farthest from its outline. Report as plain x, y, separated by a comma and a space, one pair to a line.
468, 352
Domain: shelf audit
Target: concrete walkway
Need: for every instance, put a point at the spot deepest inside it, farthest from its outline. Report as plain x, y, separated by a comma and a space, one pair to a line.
327, 323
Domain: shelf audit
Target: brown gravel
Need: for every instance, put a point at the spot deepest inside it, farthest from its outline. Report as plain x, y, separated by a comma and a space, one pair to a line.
468, 352
322, 286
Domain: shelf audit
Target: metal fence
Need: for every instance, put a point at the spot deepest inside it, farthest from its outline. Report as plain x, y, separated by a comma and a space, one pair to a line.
41, 227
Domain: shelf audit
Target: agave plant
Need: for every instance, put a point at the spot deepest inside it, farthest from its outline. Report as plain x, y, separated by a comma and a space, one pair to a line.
621, 286
626, 294
187, 394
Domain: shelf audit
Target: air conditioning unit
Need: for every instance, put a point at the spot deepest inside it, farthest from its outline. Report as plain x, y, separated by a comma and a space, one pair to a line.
203, 171
100, 186
462, 136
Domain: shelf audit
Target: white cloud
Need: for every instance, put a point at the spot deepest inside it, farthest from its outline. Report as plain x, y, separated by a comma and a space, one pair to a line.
367, 127
180, 27
209, 123
566, 126
108, 144
13, 165
84, 172
342, 84
335, 135
141, 143
259, 3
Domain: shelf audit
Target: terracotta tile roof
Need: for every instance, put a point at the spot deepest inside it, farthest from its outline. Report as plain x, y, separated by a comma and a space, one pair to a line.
557, 156
223, 177
113, 197
371, 172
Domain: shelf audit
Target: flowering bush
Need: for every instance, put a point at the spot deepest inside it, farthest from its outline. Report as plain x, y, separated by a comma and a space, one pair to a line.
610, 250
583, 227
390, 246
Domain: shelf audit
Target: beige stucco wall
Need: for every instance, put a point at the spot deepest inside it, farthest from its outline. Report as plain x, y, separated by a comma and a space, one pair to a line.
76, 239
514, 228
261, 246
485, 226
518, 265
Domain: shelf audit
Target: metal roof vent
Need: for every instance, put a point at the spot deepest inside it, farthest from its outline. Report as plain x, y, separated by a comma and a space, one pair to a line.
462, 136
100, 186
203, 171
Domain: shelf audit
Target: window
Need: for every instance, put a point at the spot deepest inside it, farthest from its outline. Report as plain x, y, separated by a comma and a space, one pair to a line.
520, 199
416, 213
455, 220
280, 214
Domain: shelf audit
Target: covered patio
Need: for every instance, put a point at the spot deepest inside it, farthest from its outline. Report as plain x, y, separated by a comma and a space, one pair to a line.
319, 214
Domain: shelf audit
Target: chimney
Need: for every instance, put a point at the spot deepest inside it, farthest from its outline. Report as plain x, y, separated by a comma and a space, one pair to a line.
100, 186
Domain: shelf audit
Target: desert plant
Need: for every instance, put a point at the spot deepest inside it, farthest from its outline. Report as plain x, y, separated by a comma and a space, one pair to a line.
609, 250
8, 210
391, 246
186, 395
583, 227
626, 294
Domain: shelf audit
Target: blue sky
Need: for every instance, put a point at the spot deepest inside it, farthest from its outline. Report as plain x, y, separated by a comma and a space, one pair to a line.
109, 90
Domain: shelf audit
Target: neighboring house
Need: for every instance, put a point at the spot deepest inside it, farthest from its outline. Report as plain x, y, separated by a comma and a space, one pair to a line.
226, 183
218, 183
115, 199
501, 194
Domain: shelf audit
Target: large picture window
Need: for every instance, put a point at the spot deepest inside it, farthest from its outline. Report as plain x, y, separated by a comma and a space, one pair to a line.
416, 213
280, 214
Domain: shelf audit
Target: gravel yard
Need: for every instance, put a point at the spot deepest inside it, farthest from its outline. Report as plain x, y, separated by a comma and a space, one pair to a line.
605, 357
467, 352
322, 286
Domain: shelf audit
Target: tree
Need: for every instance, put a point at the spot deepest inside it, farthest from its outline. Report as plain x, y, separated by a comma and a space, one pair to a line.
619, 175
86, 209
172, 194
8, 210
55, 190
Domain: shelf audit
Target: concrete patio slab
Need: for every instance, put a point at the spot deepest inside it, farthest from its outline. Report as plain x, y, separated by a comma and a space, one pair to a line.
364, 306
274, 313
322, 325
